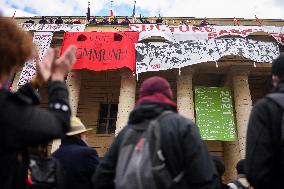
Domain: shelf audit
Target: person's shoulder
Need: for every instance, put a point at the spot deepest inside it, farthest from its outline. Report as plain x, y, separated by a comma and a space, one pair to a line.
264, 103
16, 98
180, 118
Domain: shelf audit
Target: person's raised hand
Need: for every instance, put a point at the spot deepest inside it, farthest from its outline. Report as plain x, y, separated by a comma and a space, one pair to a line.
44, 68
63, 64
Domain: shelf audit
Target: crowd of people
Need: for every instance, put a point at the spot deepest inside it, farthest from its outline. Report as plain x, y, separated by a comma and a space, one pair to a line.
112, 20
158, 147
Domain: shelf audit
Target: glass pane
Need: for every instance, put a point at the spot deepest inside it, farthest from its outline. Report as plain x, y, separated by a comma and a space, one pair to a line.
101, 129
112, 119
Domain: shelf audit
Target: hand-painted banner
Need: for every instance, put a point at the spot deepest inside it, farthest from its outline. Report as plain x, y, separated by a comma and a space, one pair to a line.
42, 41
214, 113
186, 32
102, 50
53, 27
164, 56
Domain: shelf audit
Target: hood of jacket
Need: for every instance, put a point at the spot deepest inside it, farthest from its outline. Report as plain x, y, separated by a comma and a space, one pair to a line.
147, 111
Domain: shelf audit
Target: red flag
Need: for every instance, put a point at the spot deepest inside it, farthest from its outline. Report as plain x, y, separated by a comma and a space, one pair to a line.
14, 15
236, 22
257, 19
102, 50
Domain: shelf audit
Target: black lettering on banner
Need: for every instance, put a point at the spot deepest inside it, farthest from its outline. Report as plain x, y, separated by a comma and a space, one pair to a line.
102, 55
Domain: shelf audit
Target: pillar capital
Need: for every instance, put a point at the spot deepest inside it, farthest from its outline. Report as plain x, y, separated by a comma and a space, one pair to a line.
189, 70
126, 74
240, 70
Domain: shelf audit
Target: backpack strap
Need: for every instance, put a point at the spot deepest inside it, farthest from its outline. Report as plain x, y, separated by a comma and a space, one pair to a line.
278, 98
157, 133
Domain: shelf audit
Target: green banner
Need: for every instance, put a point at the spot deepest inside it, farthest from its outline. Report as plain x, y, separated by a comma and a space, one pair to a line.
214, 113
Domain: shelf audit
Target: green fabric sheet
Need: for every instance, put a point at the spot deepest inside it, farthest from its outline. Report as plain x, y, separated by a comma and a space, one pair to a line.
214, 113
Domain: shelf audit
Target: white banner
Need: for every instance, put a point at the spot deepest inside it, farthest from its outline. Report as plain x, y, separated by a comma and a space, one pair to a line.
164, 56
42, 41
186, 32
53, 27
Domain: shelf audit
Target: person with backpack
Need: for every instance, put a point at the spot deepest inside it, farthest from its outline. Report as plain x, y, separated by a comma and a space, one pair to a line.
77, 159
241, 181
23, 123
158, 148
265, 135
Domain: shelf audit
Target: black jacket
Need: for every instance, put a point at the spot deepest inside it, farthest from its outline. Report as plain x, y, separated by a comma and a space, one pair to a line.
23, 124
79, 162
181, 145
263, 150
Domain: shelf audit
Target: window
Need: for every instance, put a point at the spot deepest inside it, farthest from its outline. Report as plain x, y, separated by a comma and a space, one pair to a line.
107, 118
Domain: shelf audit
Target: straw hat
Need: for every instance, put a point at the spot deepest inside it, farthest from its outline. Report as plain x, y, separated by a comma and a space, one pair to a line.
77, 127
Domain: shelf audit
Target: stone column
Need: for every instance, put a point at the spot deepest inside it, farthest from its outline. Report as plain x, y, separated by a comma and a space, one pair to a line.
234, 151
231, 158
243, 104
126, 99
73, 83
185, 93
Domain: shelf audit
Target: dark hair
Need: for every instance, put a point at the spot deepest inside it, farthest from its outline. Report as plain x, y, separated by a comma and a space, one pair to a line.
16, 46
278, 66
241, 167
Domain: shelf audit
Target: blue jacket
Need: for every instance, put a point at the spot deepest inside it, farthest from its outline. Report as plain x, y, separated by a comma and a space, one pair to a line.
79, 162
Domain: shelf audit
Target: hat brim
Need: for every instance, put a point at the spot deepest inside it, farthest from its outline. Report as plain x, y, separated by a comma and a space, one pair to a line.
78, 132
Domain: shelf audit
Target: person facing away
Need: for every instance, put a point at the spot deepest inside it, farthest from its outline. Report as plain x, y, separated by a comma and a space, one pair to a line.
78, 160
23, 123
182, 147
220, 167
59, 20
43, 20
264, 148
241, 180
30, 21
51, 21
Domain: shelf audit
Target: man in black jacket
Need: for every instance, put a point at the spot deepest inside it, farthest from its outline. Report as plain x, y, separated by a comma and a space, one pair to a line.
180, 139
77, 158
23, 124
264, 162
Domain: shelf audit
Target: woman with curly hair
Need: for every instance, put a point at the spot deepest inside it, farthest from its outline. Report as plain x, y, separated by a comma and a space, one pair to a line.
22, 123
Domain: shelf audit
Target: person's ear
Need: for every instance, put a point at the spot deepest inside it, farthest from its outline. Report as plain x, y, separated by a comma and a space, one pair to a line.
275, 78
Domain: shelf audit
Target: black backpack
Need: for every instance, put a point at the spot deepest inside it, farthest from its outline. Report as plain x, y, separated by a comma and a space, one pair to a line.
45, 171
141, 163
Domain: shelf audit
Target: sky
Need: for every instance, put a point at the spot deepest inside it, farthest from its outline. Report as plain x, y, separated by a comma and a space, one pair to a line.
273, 9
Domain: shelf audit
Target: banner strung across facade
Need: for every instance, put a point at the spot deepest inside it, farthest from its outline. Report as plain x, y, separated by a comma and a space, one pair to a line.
186, 32
102, 50
53, 27
214, 113
164, 56
42, 41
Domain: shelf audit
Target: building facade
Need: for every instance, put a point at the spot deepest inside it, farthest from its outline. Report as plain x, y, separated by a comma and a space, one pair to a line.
104, 99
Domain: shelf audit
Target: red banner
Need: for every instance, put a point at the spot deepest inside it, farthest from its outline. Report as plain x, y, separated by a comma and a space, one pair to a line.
102, 50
